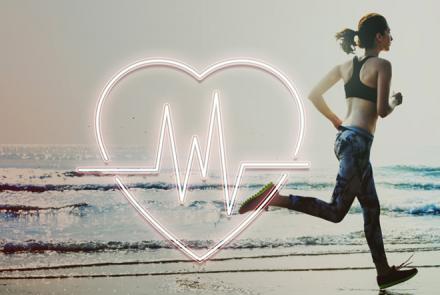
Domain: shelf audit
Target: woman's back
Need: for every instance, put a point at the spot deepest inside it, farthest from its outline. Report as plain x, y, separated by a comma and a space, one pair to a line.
361, 112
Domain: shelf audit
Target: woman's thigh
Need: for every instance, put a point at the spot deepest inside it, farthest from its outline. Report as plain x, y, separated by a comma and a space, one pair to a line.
352, 151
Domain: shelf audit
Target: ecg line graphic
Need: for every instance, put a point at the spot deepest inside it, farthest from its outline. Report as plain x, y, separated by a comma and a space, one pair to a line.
215, 119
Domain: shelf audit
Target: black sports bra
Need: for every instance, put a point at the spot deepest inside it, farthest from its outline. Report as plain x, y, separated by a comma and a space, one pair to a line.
355, 88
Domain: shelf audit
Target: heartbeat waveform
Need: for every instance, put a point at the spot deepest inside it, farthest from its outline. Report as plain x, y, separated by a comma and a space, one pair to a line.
215, 117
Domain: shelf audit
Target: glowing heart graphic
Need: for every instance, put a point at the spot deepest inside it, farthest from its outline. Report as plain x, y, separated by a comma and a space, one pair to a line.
195, 148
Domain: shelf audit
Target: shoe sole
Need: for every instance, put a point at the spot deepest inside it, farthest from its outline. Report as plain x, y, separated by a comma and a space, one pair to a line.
396, 282
266, 188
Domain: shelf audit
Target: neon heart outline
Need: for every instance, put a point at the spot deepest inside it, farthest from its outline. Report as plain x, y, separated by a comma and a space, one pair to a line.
199, 77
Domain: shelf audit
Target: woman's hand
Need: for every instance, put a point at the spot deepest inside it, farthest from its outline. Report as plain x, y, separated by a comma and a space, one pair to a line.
337, 122
396, 99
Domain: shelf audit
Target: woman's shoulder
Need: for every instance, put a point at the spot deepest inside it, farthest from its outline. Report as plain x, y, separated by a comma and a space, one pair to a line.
379, 63
346, 64
375, 61
382, 64
375, 58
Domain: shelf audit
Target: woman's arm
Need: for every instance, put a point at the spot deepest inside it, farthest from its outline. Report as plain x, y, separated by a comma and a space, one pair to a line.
318, 100
384, 105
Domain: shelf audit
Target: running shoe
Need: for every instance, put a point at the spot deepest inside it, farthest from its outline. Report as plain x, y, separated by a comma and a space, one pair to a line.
396, 276
254, 201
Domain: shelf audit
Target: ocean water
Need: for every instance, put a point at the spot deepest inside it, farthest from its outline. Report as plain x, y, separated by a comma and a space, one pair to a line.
51, 215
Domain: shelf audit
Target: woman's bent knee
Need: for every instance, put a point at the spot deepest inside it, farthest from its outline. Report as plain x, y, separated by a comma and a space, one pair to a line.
338, 217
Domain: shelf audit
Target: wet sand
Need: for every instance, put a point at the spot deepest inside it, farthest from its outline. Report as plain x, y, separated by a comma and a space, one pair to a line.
321, 274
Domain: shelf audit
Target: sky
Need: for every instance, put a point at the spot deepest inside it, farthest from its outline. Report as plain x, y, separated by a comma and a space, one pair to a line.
56, 56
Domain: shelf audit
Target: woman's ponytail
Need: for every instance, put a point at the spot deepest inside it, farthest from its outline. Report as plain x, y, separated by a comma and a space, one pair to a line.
347, 40
369, 25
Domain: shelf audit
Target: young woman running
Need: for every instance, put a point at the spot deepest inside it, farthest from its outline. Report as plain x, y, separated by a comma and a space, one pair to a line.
367, 87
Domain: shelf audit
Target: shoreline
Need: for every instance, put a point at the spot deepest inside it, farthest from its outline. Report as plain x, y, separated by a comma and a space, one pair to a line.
312, 274
281, 282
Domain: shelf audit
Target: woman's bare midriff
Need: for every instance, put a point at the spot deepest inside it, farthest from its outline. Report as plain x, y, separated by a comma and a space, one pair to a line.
361, 113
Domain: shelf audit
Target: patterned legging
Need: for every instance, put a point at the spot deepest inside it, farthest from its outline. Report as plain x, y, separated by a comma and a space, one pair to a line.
355, 178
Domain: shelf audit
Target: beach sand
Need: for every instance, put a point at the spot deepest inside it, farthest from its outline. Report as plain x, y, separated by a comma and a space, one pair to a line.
296, 274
